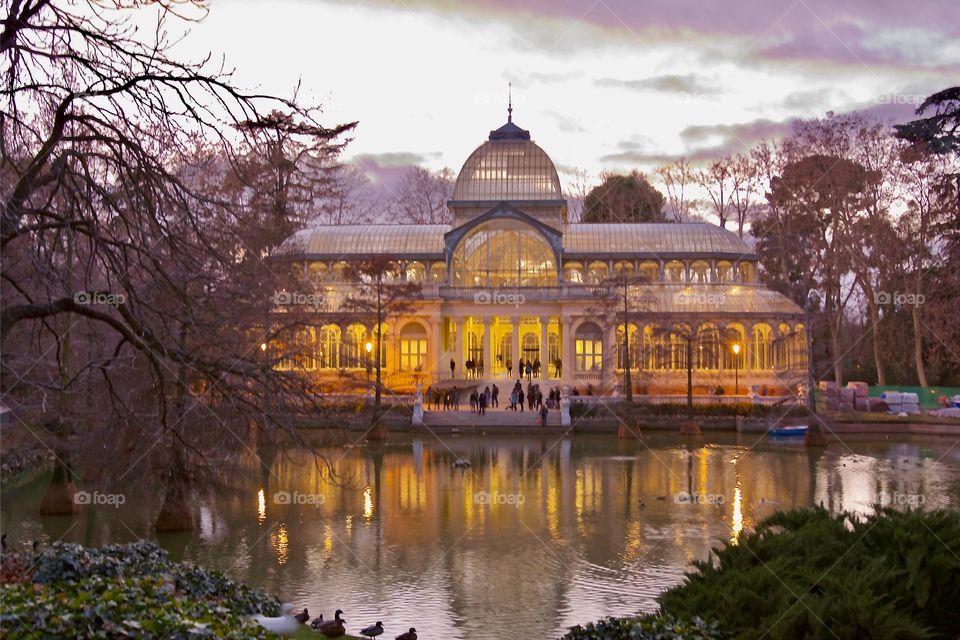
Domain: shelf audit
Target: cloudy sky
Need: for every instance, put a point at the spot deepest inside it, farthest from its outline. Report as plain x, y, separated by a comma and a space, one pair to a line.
601, 84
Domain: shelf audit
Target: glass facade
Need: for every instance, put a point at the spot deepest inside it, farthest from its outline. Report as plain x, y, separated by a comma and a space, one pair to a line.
504, 253
508, 170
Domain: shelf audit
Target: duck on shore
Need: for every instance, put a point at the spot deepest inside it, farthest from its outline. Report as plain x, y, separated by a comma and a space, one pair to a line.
333, 628
409, 635
373, 630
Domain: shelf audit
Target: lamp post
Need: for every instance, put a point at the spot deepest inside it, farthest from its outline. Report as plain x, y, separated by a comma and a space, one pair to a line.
369, 348
736, 368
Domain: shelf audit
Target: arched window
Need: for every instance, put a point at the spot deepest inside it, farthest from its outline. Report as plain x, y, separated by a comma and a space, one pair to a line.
700, 271
504, 253
724, 271
438, 272
318, 271
745, 272
707, 351
761, 346
623, 266
353, 353
674, 271
589, 347
328, 347
597, 272
413, 347
634, 349
650, 271
573, 272
415, 271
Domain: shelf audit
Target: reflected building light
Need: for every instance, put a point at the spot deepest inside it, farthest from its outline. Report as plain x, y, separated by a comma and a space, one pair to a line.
348, 525
736, 521
327, 541
261, 507
703, 475
281, 543
367, 503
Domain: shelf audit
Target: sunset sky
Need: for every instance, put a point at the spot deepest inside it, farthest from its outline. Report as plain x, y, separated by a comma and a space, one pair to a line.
601, 84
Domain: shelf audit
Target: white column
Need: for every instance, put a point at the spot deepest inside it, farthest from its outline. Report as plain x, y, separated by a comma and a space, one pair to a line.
544, 352
437, 326
567, 356
515, 322
487, 350
458, 345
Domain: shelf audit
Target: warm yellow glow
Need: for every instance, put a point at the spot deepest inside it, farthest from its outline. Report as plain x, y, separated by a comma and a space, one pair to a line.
281, 543
263, 346
261, 506
369, 347
736, 348
736, 522
367, 503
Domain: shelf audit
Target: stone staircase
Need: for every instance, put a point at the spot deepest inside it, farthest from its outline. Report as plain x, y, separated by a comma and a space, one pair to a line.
494, 419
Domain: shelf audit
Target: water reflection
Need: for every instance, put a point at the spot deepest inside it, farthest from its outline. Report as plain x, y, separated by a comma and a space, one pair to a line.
567, 532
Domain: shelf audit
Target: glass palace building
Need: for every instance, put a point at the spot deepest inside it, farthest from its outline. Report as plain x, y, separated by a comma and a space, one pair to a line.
511, 280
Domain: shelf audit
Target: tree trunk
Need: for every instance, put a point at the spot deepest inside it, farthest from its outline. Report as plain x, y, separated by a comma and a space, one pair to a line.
875, 327
59, 499
918, 345
175, 514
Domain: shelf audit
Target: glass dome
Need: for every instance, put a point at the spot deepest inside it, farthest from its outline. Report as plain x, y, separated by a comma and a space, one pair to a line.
504, 253
508, 170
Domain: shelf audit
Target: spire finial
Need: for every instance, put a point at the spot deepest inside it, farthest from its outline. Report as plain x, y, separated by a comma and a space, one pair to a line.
510, 102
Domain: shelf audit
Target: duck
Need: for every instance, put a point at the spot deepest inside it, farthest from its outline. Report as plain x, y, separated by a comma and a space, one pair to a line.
317, 622
303, 617
332, 628
409, 635
460, 463
284, 625
373, 630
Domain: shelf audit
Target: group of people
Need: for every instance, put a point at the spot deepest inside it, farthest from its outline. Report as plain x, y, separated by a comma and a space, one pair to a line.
486, 398
532, 399
447, 398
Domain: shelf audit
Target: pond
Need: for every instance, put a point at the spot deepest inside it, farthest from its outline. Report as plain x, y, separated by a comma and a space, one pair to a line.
538, 534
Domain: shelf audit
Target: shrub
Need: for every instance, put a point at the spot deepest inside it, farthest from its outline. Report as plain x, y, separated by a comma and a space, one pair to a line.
810, 574
646, 628
126, 590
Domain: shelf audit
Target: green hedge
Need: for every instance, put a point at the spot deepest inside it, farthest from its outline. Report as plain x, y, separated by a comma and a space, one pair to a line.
809, 574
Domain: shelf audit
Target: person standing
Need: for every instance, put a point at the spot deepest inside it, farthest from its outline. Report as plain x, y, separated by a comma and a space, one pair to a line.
543, 414
509, 368
520, 398
494, 402
483, 403
453, 367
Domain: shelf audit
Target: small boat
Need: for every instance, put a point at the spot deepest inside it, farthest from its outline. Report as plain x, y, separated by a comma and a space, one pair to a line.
788, 431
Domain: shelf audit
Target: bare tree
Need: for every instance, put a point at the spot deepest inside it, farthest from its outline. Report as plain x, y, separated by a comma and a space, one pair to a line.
716, 181
676, 176
745, 188
421, 197
132, 287
578, 186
